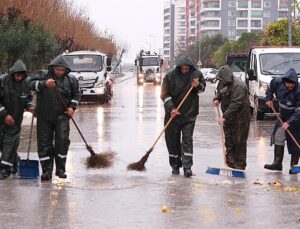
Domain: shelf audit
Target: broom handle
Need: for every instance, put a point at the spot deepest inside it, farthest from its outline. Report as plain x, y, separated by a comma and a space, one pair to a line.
30, 137
222, 136
287, 130
171, 119
65, 105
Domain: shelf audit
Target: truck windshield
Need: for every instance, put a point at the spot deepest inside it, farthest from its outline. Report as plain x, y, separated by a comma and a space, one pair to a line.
279, 63
84, 63
150, 61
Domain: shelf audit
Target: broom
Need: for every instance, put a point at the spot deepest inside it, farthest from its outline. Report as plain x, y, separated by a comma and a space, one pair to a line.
140, 165
295, 168
224, 171
101, 160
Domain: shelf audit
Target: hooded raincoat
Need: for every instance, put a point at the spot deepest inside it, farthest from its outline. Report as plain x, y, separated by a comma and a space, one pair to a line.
179, 135
15, 98
289, 106
51, 118
235, 106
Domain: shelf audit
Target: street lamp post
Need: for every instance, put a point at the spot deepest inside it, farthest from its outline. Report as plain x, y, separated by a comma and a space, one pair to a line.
154, 41
149, 43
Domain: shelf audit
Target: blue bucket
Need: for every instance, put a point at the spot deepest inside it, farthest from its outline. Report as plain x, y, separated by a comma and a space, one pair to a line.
29, 169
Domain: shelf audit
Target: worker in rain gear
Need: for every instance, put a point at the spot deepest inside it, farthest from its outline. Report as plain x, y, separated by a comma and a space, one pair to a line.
52, 116
287, 91
179, 135
15, 98
233, 96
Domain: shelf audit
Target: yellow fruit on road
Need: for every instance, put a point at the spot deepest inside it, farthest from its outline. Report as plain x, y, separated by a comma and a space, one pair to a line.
164, 209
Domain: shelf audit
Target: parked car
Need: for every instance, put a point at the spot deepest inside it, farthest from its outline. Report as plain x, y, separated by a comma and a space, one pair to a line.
209, 74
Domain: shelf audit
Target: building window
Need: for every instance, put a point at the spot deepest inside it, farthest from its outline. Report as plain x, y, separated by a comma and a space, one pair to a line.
231, 13
231, 22
267, 4
255, 23
256, 4
267, 14
283, 5
181, 23
242, 4
231, 32
242, 23
212, 23
211, 4
210, 14
242, 13
231, 4
256, 13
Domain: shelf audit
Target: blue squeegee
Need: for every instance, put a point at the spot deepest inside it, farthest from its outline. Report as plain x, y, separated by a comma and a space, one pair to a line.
225, 171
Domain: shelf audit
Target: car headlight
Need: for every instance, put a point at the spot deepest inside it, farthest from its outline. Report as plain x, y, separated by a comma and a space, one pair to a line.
141, 75
99, 84
157, 75
263, 86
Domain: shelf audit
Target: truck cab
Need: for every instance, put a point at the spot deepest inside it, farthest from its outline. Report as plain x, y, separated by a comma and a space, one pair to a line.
237, 63
264, 64
91, 69
148, 68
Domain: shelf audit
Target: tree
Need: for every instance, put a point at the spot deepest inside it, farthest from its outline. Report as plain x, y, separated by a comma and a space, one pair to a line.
276, 34
221, 54
28, 42
245, 41
209, 46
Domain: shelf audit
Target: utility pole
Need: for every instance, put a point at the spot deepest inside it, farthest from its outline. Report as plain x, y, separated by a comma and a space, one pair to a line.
290, 23
199, 53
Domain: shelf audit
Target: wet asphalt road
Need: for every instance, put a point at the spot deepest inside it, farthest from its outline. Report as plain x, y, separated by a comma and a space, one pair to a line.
116, 198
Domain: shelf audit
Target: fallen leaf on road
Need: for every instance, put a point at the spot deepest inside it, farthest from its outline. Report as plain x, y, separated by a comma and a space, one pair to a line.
237, 211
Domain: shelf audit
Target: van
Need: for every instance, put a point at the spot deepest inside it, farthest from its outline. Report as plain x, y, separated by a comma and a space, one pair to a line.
91, 69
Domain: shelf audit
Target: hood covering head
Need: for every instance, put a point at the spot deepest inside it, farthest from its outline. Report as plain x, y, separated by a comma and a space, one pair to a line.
225, 74
291, 75
59, 61
18, 66
185, 60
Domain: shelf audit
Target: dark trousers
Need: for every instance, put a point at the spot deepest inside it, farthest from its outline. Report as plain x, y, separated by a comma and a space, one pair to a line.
236, 135
9, 143
179, 140
53, 143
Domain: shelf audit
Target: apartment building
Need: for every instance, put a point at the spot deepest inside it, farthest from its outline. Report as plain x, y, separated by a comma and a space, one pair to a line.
232, 18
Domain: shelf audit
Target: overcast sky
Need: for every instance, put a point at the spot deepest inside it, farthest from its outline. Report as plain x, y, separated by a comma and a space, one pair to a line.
135, 22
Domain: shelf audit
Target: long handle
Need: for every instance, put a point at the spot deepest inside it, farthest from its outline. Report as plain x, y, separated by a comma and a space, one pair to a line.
222, 135
171, 119
65, 105
30, 137
287, 130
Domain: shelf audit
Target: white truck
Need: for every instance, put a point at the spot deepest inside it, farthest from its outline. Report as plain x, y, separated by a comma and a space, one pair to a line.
91, 68
264, 64
148, 68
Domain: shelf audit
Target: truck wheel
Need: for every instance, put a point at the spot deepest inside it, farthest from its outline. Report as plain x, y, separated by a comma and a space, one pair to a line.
256, 112
260, 115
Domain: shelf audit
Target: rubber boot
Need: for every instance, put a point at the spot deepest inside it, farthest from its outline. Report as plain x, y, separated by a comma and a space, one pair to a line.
4, 172
15, 167
47, 167
175, 170
278, 158
294, 161
188, 172
60, 164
